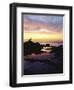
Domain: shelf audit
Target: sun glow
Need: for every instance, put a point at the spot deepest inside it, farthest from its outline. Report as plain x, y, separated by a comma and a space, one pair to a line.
43, 37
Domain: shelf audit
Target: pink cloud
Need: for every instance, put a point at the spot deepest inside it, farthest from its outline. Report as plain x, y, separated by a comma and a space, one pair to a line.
34, 26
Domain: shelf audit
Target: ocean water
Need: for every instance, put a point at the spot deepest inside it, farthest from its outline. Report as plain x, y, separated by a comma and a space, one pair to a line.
44, 63
53, 43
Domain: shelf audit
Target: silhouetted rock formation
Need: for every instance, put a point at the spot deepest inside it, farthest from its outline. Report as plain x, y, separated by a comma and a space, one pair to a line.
31, 47
47, 45
58, 51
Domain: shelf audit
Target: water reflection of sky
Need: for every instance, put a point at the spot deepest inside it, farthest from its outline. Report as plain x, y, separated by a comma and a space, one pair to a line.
46, 49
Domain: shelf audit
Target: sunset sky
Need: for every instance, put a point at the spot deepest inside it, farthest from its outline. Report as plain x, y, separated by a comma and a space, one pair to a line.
43, 28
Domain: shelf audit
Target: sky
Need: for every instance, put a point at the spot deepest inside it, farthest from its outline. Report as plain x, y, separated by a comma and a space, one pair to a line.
43, 28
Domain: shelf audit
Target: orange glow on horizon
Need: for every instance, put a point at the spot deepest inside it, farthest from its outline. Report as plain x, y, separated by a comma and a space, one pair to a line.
43, 37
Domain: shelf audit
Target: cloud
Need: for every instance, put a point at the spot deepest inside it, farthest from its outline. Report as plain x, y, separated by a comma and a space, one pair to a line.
33, 22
